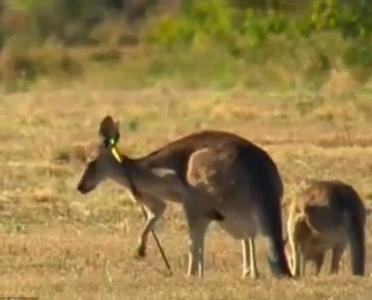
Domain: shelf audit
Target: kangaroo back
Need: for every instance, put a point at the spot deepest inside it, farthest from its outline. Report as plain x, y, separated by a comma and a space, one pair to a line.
354, 215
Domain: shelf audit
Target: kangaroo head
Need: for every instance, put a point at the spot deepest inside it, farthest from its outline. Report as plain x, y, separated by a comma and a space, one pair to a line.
100, 167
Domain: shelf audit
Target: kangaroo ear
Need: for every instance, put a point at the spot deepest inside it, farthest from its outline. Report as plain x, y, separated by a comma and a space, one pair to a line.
109, 130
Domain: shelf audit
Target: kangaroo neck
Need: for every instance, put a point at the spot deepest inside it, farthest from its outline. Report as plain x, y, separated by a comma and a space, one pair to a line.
127, 171
141, 180
122, 173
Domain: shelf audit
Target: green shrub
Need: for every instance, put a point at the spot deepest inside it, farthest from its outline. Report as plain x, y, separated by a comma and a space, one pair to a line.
352, 18
357, 59
68, 21
20, 66
169, 32
214, 18
200, 21
217, 43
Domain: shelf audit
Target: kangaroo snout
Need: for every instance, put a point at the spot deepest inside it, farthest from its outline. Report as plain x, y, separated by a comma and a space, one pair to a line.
81, 188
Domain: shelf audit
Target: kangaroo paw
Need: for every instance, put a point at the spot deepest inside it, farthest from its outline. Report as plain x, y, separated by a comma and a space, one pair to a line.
141, 252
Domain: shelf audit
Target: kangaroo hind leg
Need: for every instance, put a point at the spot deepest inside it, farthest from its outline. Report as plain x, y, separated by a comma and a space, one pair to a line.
249, 258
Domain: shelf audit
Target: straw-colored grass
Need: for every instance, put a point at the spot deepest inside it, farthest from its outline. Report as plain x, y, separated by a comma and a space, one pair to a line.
57, 244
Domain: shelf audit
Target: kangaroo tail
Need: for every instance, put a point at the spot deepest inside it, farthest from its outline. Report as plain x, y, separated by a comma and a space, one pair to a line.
271, 227
354, 216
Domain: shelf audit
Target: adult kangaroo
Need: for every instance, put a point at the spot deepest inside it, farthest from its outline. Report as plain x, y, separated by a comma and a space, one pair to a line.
251, 204
329, 215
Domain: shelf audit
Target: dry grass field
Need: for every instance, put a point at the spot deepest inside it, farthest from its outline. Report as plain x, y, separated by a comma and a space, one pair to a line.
58, 244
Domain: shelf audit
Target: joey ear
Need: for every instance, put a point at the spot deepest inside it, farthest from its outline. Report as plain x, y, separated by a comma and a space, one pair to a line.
109, 129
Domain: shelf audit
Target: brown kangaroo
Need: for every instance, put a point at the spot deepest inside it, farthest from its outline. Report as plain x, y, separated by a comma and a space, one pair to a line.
328, 216
249, 205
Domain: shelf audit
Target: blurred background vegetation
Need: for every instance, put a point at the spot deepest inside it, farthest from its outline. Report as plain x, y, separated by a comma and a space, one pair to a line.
189, 43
